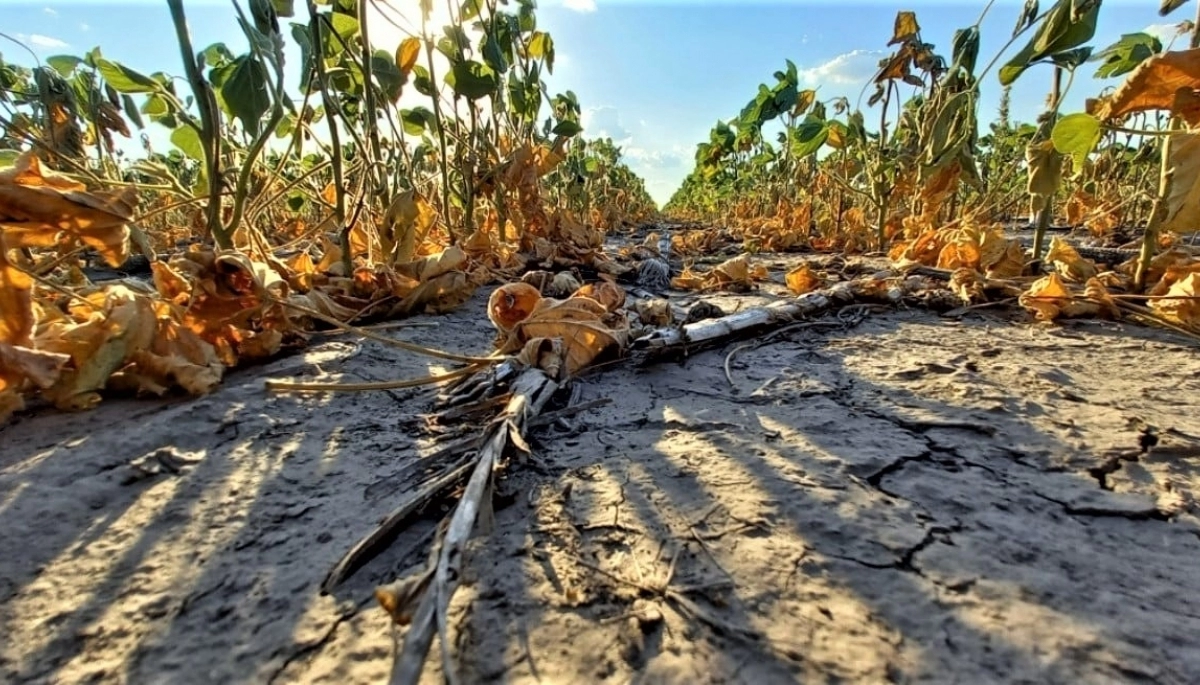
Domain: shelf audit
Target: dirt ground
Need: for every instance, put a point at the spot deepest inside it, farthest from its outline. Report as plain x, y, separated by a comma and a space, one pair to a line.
912, 499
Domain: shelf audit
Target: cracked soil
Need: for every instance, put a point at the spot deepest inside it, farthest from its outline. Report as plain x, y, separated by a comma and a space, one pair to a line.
912, 500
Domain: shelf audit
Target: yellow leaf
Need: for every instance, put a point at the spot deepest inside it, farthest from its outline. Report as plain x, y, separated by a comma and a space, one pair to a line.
1182, 302
1183, 202
578, 323
409, 219
905, 27
802, 280
1068, 262
16, 302
406, 56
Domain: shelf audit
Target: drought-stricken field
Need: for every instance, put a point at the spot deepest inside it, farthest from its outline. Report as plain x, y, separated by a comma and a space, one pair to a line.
890, 497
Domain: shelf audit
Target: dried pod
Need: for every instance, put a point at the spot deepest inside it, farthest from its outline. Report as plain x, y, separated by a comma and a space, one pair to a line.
701, 311
511, 304
539, 279
607, 293
563, 285
657, 313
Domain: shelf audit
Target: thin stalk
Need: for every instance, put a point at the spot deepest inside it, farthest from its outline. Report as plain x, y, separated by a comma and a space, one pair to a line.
1166, 175
210, 124
441, 127
1044, 212
339, 180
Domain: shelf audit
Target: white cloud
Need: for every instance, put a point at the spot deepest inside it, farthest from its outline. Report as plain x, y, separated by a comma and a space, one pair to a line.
51, 11
39, 41
851, 68
1164, 32
85, 27
652, 159
46, 41
580, 5
601, 122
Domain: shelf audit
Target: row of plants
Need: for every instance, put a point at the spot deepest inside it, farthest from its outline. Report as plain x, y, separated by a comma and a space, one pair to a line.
916, 160
387, 181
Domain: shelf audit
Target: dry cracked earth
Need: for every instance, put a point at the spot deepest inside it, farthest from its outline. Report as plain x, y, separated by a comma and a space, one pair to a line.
912, 499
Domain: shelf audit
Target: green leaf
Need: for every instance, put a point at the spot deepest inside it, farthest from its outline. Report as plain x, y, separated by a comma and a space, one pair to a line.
244, 91
1076, 135
131, 111
1061, 30
526, 16
9, 157
421, 81
216, 56
472, 80
493, 53
417, 120
966, 49
64, 64
188, 141
387, 75
1071, 59
303, 38
284, 8
124, 79
1126, 54
567, 129
346, 27
471, 9
808, 137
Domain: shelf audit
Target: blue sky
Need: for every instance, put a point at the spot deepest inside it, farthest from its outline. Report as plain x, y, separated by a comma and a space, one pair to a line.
655, 76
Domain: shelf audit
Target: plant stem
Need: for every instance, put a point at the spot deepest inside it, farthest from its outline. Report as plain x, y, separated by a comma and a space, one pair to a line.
1043, 217
339, 180
210, 125
1158, 210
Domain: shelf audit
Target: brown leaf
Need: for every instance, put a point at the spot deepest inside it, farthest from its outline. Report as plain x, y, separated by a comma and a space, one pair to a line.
578, 323
1068, 262
1183, 202
607, 293
1163, 81
905, 28
1048, 298
35, 201
803, 279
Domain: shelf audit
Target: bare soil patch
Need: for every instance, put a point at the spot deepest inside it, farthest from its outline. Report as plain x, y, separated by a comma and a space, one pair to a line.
910, 499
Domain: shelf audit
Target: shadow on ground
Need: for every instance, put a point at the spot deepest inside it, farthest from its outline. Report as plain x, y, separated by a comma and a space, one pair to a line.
910, 500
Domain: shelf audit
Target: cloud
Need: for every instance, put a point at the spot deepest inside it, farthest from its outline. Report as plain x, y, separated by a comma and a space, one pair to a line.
851, 68
39, 41
652, 159
85, 27
580, 5
600, 122
51, 11
1163, 32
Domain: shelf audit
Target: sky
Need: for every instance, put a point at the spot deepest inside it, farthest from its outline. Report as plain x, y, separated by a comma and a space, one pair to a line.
654, 76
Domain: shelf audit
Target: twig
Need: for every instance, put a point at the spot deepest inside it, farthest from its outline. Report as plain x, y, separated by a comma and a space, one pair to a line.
530, 392
368, 547
392, 342
288, 386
